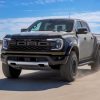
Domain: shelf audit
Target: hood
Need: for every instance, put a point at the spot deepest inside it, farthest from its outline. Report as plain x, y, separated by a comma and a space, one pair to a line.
41, 34
37, 33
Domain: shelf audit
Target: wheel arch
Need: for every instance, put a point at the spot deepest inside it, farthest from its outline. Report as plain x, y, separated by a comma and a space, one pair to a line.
76, 50
96, 48
73, 48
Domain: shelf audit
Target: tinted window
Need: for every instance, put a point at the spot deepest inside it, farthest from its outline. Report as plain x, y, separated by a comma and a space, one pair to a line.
85, 25
78, 25
52, 25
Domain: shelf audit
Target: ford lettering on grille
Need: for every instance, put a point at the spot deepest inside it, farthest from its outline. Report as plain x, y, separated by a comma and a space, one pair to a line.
32, 43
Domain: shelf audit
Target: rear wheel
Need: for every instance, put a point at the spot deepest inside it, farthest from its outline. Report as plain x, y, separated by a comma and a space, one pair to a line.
96, 65
69, 70
10, 72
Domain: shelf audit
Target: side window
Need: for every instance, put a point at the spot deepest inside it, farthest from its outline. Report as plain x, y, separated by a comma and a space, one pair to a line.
84, 25
78, 25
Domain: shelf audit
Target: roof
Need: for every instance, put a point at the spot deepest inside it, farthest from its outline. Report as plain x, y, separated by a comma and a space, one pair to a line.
64, 19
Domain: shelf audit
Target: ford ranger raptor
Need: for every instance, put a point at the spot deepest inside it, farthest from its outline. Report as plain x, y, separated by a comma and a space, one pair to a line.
59, 44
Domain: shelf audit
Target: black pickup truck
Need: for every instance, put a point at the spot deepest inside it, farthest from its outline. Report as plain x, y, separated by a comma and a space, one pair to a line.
60, 44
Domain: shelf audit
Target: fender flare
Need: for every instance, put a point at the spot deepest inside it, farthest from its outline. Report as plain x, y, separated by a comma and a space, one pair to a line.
72, 47
96, 48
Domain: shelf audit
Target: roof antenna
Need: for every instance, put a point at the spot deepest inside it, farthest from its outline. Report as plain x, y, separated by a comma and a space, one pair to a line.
69, 15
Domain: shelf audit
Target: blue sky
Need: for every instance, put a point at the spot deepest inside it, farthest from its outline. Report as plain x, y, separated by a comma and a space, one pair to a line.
36, 8
16, 14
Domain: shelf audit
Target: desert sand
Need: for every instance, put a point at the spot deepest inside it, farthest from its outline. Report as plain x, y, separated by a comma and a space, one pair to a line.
47, 85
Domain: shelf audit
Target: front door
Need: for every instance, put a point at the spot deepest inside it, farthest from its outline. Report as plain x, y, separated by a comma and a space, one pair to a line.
85, 42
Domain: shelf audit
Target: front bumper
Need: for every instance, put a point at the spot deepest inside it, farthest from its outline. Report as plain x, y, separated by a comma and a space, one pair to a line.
33, 53
29, 65
29, 60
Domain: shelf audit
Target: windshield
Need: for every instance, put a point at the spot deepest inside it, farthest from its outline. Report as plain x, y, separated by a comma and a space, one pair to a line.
52, 25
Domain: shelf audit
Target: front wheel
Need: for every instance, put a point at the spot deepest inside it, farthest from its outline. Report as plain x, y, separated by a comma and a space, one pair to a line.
10, 72
69, 70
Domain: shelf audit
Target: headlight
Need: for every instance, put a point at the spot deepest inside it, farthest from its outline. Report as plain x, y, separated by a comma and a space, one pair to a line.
6, 43
56, 43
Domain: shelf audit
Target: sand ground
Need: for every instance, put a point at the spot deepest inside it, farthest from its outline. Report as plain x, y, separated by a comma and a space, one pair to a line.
46, 85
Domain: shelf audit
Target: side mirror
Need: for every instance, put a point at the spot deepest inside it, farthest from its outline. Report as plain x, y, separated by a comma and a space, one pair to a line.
23, 30
82, 31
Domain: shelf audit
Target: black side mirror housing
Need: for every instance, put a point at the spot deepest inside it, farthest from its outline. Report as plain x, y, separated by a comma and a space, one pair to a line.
23, 30
82, 31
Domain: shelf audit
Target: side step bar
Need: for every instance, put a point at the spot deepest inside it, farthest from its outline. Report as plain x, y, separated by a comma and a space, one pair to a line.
82, 64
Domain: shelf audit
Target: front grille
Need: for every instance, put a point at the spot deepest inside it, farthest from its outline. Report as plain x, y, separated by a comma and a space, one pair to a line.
29, 45
27, 59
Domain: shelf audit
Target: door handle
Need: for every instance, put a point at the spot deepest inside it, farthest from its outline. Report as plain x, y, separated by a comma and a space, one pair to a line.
92, 38
84, 38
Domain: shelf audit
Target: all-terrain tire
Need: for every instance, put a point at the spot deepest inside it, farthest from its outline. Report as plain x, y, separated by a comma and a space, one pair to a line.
96, 65
10, 72
68, 71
